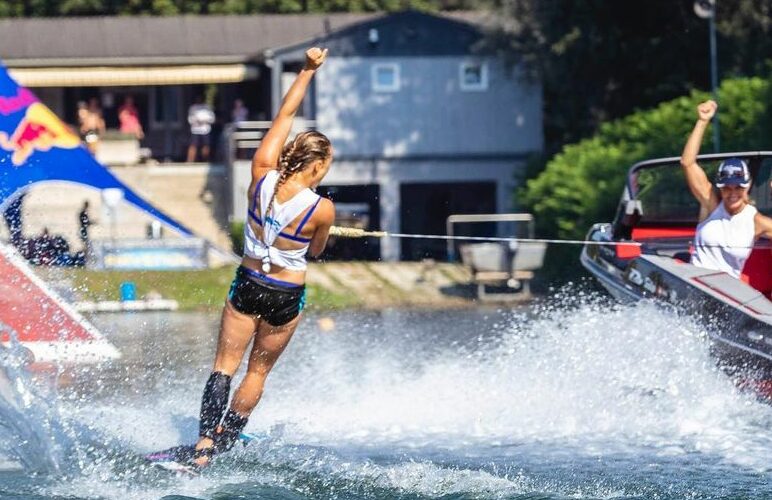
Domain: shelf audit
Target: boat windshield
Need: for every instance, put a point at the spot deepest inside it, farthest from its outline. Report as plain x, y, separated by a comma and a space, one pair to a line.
666, 200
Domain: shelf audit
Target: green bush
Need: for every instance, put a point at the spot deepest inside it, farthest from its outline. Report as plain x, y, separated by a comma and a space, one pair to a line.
237, 237
582, 184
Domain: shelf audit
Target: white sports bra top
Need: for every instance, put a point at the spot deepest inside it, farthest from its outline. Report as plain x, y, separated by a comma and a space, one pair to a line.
274, 223
723, 242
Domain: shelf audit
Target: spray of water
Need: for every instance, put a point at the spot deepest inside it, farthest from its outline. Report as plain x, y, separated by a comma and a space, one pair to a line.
32, 435
575, 378
580, 371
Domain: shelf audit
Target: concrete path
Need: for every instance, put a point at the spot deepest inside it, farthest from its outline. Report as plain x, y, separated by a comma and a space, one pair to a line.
378, 284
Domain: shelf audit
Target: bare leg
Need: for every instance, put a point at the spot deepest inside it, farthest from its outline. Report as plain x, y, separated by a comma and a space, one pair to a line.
270, 342
191, 153
236, 331
205, 153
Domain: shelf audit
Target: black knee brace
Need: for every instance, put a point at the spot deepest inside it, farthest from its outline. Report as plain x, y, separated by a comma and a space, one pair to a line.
232, 425
213, 403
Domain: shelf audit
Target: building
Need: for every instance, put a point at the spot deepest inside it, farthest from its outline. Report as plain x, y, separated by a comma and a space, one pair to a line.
423, 124
163, 62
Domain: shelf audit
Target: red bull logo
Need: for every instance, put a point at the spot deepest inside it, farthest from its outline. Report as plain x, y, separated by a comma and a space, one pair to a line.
39, 130
14, 103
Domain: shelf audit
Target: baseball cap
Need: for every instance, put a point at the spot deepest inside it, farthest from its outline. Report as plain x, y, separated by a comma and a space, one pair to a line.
733, 172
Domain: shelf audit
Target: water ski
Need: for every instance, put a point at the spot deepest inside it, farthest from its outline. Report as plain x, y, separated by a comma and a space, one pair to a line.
179, 459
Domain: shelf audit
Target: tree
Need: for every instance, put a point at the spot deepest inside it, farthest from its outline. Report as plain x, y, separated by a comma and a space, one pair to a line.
54, 8
600, 60
581, 185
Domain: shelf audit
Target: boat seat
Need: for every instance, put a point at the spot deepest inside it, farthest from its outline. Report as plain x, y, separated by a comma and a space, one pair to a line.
758, 269
652, 233
672, 242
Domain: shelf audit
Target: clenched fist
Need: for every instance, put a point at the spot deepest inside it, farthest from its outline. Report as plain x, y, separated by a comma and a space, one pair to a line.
315, 57
706, 110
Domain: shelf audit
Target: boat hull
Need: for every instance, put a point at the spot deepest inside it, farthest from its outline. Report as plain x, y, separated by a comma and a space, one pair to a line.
737, 317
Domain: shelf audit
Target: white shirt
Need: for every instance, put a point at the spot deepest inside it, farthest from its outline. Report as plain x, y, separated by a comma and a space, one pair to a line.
200, 118
723, 242
274, 223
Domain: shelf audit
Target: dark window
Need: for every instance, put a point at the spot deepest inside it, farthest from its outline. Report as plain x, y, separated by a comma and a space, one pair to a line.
166, 108
424, 209
359, 207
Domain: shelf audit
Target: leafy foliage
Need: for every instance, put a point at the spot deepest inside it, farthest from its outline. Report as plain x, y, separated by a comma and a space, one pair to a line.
581, 184
601, 60
55, 8
237, 236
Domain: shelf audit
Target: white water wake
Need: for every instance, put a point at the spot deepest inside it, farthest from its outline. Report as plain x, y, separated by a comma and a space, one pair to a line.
584, 373
31, 435
571, 380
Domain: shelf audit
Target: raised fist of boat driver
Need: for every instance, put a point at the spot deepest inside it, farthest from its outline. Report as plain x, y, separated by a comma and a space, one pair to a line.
315, 57
706, 110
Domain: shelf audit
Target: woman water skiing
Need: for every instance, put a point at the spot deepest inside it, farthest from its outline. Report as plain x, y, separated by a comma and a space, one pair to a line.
286, 219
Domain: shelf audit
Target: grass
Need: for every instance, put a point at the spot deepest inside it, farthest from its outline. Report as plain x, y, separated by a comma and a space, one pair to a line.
320, 299
193, 289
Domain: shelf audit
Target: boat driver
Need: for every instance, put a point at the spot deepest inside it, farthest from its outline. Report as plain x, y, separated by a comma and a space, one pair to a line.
729, 224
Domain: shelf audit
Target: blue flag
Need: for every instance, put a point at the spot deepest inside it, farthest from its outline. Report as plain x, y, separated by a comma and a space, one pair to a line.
36, 146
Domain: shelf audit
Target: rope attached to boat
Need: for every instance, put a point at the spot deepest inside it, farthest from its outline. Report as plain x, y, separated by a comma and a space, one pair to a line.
352, 232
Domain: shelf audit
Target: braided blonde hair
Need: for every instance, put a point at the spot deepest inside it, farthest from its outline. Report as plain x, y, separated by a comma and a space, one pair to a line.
304, 149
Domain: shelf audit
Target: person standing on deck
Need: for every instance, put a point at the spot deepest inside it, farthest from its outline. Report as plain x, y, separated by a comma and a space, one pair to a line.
200, 117
84, 221
128, 116
729, 224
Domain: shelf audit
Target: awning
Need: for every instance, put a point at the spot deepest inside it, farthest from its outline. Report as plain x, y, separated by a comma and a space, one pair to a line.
126, 76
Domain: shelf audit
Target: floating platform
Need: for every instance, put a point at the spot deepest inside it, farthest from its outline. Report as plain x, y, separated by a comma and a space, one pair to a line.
127, 305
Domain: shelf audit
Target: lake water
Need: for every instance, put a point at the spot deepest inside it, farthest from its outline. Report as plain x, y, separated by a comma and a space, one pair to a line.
574, 397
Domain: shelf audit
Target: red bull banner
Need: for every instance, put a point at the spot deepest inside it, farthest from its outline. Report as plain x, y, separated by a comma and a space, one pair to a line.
36, 146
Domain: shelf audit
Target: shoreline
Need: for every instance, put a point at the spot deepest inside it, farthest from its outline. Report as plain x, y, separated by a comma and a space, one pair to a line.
331, 286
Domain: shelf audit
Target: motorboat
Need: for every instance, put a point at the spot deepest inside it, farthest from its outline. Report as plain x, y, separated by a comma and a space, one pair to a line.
644, 253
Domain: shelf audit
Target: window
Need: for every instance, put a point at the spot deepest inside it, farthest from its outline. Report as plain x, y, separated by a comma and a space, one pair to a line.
385, 77
473, 76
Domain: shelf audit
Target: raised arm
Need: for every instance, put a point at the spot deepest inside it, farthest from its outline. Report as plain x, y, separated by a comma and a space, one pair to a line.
267, 155
696, 179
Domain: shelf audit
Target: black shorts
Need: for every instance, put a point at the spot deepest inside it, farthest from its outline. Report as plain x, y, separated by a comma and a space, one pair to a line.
255, 294
200, 140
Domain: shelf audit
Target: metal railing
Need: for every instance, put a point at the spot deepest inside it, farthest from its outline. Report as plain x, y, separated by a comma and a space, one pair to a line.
248, 135
462, 218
